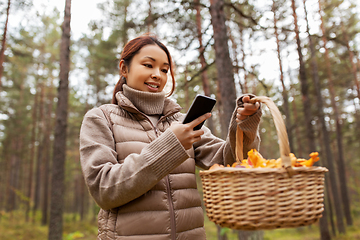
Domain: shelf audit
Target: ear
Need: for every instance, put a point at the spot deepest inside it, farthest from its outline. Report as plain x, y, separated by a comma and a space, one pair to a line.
123, 68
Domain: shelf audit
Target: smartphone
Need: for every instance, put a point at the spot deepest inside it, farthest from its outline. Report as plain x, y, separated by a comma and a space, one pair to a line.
201, 105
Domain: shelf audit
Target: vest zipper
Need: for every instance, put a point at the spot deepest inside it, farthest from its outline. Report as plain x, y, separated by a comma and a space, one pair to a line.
171, 208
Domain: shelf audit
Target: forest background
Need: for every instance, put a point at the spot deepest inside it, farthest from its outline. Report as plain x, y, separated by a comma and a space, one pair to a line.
304, 55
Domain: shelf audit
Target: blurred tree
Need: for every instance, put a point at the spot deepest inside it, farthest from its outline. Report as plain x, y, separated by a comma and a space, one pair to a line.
329, 155
204, 77
324, 230
18, 5
275, 9
304, 86
223, 62
59, 152
3, 42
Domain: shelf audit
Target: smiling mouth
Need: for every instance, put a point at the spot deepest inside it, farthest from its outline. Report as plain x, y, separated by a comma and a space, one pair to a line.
152, 85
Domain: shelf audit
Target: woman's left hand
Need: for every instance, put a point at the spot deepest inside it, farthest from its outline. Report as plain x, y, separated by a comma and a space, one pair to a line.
247, 110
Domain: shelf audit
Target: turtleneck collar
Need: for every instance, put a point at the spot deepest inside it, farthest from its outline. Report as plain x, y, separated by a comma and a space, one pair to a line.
147, 102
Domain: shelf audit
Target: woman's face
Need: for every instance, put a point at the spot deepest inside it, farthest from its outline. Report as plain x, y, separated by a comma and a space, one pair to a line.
148, 69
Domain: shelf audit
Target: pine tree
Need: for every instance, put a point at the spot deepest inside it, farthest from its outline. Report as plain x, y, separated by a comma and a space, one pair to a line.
58, 163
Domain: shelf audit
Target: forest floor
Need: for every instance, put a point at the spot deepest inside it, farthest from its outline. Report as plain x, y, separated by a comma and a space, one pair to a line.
303, 233
14, 227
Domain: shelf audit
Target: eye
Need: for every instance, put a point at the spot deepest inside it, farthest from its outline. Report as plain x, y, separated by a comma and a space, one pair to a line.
165, 71
148, 65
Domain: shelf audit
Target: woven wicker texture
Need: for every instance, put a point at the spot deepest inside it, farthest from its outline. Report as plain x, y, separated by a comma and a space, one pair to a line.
264, 198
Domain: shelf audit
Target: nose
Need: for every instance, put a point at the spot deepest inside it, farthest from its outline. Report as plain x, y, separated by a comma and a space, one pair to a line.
156, 74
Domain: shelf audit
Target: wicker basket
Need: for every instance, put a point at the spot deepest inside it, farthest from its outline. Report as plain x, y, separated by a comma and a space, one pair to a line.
264, 198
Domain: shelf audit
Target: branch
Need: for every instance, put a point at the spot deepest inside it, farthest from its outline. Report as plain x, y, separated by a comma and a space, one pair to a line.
241, 13
197, 74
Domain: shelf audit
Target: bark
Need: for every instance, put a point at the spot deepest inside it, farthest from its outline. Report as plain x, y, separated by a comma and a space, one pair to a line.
46, 160
149, 19
204, 77
324, 230
351, 59
284, 90
242, 46
224, 65
30, 192
3, 43
329, 156
59, 149
323, 223
124, 34
186, 89
81, 197
343, 180
46, 179
15, 155
329, 206
298, 150
40, 151
12, 181
304, 86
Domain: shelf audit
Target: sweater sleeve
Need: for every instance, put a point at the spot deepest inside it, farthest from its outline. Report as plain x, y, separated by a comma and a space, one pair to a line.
210, 149
113, 184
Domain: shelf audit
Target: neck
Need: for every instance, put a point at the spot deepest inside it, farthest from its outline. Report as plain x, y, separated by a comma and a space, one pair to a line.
147, 102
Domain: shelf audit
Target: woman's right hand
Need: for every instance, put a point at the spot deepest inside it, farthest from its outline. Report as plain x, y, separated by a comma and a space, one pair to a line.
185, 132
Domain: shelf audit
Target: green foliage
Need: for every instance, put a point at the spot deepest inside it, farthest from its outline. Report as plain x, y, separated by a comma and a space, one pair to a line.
75, 235
13, 226
302, 233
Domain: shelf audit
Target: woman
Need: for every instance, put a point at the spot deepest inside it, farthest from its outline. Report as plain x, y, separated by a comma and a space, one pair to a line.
138, 160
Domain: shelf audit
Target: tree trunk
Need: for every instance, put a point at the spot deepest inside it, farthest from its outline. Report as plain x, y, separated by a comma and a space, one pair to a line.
304, 87
10, 205
298, 150
46, 158
204, 77
224, 65
324, 230
3, 43
329, 157
284, 90
242, 46
58, 163
40, 151
124, 34
223, 129
149, 19
82, 188
32, 156
329, 206
343, 179
351, 59
186, 89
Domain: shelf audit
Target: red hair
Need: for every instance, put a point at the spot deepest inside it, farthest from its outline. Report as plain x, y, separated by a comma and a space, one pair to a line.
131, 49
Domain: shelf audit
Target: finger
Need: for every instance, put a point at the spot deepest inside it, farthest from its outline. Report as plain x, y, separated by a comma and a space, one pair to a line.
196, 139
199, 120
250, 106
247, 112
246, 99
197, 133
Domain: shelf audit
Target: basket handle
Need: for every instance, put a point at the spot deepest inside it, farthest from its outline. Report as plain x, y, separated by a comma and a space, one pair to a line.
281, 133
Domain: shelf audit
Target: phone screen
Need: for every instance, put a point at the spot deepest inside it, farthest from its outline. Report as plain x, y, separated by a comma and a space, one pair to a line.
201, 105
